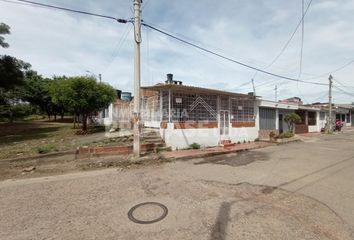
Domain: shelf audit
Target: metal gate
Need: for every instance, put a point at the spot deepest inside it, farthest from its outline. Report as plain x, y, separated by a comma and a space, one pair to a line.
224, 123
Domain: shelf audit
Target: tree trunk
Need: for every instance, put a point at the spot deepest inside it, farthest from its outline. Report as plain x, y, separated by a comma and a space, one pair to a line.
84, 122
62, 116
55, 117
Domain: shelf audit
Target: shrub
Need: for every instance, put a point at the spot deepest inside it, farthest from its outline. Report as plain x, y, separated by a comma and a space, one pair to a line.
47, 148
256, 140
272, 135
291, 119
286, 135
195, 146
238, 142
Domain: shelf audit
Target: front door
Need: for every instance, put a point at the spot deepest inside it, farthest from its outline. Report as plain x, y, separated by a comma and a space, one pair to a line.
281, 123
224, 124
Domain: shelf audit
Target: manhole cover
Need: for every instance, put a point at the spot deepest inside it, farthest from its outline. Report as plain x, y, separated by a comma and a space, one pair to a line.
147, 212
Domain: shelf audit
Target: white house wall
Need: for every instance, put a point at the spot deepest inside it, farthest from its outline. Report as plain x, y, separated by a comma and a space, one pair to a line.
182, 138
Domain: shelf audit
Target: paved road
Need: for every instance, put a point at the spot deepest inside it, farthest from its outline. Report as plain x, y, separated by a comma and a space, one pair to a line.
222, 197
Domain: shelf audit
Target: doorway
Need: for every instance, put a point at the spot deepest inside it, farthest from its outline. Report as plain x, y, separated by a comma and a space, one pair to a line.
281, 129
224, 123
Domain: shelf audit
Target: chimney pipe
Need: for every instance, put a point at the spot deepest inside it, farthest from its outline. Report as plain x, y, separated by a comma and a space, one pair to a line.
170, 77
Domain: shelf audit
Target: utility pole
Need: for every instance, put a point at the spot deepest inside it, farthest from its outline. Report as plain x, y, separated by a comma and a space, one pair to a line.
329, 124
276, 92
136, 115
100, 77
254, 89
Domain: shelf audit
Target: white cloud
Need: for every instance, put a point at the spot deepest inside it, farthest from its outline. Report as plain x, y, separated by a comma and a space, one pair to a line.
253, 32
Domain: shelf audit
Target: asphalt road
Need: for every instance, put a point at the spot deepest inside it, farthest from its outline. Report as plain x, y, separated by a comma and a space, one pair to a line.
294, 191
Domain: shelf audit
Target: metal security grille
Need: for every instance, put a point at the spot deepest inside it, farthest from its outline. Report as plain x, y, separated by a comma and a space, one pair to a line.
242, 110
267, 117
150, 108
193, 107
165, 105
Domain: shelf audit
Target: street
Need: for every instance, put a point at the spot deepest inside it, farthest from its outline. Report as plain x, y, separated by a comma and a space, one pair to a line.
301, 190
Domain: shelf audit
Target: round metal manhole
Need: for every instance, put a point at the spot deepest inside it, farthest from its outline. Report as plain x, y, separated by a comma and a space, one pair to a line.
147, 212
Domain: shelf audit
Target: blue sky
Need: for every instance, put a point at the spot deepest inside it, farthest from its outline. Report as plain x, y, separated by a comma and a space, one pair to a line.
58, 43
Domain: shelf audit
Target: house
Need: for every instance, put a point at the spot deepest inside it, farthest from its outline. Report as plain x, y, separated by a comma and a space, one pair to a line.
343, 112
271, 117
187, 114
118, 113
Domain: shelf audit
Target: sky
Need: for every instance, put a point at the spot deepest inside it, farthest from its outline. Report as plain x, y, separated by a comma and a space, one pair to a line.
253, 32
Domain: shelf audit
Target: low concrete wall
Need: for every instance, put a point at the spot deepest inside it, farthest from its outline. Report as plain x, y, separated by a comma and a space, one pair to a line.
207, 137
152, 124
264, 133
182, 138
315, 128
243, 134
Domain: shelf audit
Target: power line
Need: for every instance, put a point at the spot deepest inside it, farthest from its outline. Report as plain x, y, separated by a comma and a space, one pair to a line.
72, 10
333, 71
230, 59
343, 91
292, 35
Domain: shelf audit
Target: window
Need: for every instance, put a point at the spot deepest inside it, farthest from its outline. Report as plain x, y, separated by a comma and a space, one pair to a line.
242, 110
193, 107
322, 115
348, 118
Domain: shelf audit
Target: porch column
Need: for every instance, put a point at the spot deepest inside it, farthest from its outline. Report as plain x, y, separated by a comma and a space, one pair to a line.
276, 119
169, 105
161, 107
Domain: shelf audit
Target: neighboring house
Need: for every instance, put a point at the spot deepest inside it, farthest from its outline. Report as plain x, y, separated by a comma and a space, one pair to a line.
118, 113
271, 117
343, 112
187, 114
310, 119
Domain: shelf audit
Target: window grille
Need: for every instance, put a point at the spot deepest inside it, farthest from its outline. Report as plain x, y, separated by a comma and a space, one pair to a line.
242, 110
311, 118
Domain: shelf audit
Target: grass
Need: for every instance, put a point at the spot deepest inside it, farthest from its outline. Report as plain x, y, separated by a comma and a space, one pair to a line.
29, 138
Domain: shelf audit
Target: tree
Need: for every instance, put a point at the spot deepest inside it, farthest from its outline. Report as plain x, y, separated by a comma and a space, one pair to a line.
37, 92
4, 29
12, 71
83, 95
291, 119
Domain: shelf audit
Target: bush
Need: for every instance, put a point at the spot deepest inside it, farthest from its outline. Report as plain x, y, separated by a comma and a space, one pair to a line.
256, 140
47, 148
272, 135
286, 135
195, 146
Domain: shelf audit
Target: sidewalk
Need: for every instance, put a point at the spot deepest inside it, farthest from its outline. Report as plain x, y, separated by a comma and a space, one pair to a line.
206, 152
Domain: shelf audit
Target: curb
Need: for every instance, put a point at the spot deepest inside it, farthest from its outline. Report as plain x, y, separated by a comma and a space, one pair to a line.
210, 154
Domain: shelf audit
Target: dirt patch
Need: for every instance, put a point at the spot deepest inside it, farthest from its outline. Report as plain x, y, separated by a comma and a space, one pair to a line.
15, 169
236, 159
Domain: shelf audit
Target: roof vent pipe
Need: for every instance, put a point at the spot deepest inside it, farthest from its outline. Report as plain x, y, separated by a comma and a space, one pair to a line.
169, 77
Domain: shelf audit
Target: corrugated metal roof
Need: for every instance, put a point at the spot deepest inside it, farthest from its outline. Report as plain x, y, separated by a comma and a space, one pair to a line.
186, 88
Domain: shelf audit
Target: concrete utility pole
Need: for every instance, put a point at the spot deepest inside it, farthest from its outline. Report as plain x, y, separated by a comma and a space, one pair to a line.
137, 38
254, 89
329, 124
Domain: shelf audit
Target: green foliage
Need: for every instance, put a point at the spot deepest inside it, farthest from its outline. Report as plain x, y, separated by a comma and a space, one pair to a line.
286, 135
291, 119
83, 95
256, 140
195, 146
12, 72
47, 148
4, 29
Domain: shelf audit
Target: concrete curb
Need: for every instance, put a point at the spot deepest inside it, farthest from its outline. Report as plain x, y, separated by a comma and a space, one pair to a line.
210, 154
